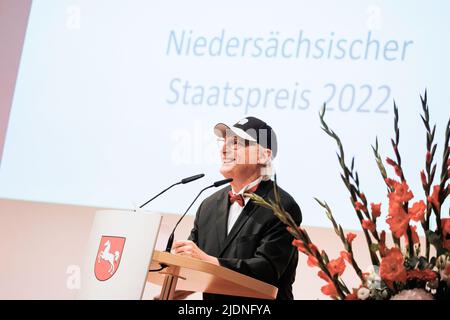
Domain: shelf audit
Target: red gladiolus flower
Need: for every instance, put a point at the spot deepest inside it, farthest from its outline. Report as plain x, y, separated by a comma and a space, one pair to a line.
445, 225
350, 237
347, 256
428, 156
391, 267
323, 276
363, 197
329, 289
391, 182
395, 207
352, 296
312, 261
300, 246
382, 243
368, 225
391, 162
336, 266
313, 248
414, 235
434, 197
360, 206
417, 211
402, 192
376, 209
397, 169
365, 275
423, 178
424, 275
398, 224
428, 275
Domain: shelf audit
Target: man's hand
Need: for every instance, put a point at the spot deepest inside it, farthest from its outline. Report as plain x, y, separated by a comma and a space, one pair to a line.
189, 249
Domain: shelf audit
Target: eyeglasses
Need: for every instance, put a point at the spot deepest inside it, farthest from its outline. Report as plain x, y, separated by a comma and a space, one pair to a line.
232, 143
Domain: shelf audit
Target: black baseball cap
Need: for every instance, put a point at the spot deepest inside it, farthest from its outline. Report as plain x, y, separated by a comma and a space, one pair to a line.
251, 129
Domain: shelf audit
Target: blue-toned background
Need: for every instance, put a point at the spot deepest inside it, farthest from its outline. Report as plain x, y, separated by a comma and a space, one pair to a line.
111, 106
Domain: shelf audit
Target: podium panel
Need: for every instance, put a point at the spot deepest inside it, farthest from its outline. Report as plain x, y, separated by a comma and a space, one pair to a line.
185, 273
118, 254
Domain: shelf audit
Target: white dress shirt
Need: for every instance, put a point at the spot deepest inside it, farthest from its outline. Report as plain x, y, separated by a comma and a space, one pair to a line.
235, 208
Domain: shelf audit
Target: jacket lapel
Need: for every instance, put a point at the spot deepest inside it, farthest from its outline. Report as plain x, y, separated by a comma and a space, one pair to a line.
222, 208
248, 210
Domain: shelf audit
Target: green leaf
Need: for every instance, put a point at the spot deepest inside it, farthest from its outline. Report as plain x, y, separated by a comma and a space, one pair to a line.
423, 263
324, 257
374, 247
436, 240
411, 262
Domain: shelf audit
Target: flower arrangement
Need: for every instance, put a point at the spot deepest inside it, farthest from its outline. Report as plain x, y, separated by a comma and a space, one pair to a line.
405, 270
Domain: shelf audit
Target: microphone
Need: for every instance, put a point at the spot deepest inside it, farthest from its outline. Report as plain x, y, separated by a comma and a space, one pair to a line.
215, 185
193, 178
183, 181
222, 182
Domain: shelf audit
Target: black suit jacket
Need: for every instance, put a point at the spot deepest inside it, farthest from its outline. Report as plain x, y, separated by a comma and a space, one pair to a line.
258, 244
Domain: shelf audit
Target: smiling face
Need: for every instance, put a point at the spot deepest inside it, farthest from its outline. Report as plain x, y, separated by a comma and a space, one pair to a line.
241, 158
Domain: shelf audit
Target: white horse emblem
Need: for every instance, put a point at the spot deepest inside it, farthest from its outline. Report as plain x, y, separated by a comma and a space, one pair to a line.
108, 257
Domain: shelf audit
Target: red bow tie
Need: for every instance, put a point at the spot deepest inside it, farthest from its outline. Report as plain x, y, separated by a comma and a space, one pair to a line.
239, 198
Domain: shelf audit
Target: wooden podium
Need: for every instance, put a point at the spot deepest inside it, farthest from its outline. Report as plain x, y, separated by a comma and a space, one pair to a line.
184, 273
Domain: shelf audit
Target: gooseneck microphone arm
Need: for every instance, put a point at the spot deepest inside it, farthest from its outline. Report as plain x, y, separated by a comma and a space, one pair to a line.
215, 184
170, 241
159, 194
183, 181
171, 237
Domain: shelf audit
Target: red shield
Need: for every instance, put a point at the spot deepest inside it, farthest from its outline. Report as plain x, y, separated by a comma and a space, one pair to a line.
108, 257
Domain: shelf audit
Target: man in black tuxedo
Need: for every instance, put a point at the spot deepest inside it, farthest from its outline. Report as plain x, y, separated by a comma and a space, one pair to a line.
229, 229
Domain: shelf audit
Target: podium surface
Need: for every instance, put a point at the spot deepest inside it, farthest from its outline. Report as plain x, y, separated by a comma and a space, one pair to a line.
185, 273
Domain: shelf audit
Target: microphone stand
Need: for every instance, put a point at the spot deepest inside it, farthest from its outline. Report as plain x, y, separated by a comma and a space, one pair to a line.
172, 235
